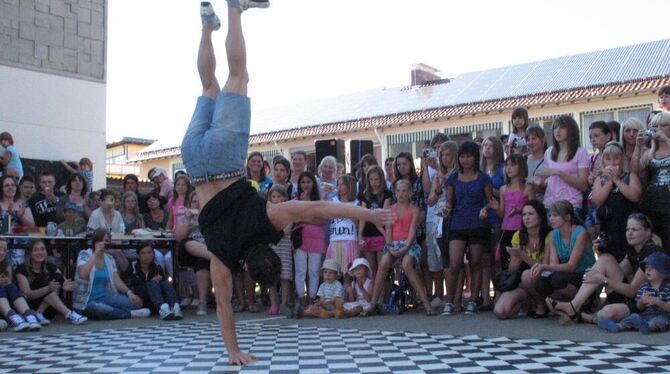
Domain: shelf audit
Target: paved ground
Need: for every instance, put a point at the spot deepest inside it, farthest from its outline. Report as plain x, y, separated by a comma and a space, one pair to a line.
392, 343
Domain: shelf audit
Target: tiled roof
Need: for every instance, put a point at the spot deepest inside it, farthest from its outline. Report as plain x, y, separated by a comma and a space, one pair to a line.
460, 110
628, 69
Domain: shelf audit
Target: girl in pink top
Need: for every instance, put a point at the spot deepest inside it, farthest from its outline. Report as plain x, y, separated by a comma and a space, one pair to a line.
514, 195
567, 170
307, 258
176, 206
403, 246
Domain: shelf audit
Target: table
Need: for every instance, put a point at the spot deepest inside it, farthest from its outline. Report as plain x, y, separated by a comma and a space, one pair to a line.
67, 244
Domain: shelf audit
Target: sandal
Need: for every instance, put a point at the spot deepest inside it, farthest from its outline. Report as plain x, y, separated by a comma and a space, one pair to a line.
565, 318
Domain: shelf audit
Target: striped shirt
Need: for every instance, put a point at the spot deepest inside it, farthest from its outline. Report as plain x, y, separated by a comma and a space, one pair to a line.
329, 291
663, 293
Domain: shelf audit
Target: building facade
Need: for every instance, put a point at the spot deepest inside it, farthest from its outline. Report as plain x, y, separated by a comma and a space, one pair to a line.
613, 84
53, 74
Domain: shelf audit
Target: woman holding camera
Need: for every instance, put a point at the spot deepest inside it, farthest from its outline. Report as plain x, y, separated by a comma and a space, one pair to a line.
656, 162
616, 193
100, 293
620, 279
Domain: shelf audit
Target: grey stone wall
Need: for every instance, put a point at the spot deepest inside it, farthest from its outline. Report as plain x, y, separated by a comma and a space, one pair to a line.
57, 36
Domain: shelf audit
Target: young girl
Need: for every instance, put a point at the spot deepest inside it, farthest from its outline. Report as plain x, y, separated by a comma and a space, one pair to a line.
567, 169
616, 193
493, 164
656, 200
277, 195
535, 159
193, 254
631, 127
514, 195
11, 299
437, 197
599, 135
42, 282
361, 291
469, 191
402, 246
282, 174
343, 246
375, 195
131, 212
149, 282
176, 207
307, 258
518, 135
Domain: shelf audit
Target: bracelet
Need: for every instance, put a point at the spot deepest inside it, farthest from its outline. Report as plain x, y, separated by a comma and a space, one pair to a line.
129, 292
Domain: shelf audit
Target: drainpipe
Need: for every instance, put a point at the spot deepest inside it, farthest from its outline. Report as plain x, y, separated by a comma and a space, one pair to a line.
382, 142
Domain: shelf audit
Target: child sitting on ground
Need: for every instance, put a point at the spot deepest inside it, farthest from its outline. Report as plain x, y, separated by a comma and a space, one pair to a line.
653, 299
360, 290
330, 296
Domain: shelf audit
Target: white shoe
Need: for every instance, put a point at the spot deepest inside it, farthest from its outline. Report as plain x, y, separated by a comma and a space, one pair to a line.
33, 324
42, 319
207, 15
18, 323
246, 4
140, 313
76, 318
165, 312
202, 310
195, 303
3, 325
185, 302
176, 310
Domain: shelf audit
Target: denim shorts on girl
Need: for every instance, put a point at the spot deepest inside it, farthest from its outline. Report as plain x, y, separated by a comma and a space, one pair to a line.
216, 141
414, 251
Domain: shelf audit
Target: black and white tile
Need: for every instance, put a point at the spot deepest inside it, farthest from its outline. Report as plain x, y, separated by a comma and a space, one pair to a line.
197, 347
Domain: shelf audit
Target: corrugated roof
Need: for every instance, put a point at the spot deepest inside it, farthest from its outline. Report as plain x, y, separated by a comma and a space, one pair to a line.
612, 71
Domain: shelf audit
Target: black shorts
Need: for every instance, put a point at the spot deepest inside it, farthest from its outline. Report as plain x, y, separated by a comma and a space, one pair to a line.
471, 236
235, 220
185, 259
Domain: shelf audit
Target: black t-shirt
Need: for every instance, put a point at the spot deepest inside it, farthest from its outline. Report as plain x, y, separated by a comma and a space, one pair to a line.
40, 280
235, 220
44, 211
635, 257
370, 229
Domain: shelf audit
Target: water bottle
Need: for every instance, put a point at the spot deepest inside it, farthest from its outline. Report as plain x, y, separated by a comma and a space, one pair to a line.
52, 229
122, 227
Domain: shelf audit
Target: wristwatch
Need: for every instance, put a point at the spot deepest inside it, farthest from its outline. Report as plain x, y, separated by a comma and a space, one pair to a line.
605, 283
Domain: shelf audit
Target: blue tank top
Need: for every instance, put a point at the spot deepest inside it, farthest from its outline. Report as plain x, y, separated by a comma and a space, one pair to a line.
100, 281
587, 260
469, 199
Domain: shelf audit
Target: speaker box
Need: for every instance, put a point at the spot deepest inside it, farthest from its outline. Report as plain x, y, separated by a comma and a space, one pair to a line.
358, 149
329, 147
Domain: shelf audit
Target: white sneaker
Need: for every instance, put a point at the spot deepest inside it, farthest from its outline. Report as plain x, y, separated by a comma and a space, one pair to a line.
176, 310
3, 325
76, 318
140, 313
202, 310
437, 303
207, 15
33, 324
42, 319
185, 302
18, 323
165, 312
195, 303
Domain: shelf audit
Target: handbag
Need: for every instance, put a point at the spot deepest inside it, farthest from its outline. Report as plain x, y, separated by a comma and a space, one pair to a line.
296, 237
507, 280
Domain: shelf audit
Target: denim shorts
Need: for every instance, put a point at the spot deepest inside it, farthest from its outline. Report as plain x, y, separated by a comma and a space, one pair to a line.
217, 139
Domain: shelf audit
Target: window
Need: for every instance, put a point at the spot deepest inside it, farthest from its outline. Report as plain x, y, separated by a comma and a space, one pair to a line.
616, 114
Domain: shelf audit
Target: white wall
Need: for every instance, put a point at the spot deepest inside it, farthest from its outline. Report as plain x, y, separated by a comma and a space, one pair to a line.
53, 117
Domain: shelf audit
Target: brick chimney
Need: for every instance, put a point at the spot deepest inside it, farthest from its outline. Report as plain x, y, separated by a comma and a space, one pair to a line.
422, 74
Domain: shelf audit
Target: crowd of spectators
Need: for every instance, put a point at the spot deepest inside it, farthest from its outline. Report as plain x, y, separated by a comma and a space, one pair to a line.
554, 230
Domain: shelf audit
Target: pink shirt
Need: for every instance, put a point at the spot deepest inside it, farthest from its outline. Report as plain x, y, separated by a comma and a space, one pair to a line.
513, 199
557, 188
177, 208
313, 238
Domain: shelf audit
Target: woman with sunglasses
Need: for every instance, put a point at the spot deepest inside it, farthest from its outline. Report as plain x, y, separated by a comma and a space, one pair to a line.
621, 279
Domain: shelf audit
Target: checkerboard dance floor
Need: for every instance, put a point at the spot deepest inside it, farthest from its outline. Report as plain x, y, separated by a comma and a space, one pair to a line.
197, 347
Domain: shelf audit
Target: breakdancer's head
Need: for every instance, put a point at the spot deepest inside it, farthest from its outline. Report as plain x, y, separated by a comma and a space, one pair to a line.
263, 265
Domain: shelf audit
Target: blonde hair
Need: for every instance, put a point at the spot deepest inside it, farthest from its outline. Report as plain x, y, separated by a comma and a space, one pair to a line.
452, 147
613, 149
403, 182
633, 123
660, 119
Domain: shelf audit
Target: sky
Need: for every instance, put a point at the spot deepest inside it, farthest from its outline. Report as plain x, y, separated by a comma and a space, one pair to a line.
302, 50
